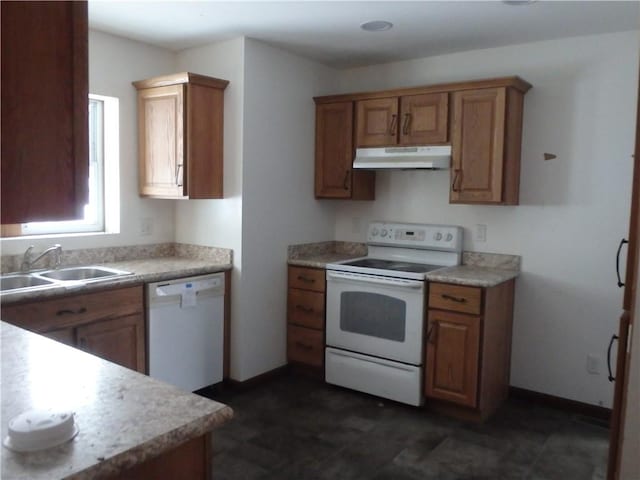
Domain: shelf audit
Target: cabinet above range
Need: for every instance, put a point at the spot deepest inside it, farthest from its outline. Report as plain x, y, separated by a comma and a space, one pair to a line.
403, 120
180, 132
480, 120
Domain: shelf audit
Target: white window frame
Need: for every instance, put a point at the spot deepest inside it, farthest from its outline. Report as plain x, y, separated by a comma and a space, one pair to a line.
104, 192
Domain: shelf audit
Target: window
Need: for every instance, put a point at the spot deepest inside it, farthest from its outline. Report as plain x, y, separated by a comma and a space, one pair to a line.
101, 214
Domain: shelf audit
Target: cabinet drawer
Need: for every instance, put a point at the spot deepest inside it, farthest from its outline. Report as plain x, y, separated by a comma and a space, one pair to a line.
47, 315
458, 298
305, 345
306, 308
306, 278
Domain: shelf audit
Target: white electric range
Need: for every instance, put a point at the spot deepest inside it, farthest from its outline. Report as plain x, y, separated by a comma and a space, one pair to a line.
376, 309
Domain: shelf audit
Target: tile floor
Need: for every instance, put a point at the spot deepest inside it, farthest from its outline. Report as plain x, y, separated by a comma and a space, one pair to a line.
298, 428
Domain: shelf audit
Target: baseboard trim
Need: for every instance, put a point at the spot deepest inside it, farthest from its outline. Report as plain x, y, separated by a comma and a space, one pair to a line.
601, 413
258, 379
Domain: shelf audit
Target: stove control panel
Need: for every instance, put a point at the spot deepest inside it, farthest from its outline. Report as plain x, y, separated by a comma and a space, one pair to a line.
414, 235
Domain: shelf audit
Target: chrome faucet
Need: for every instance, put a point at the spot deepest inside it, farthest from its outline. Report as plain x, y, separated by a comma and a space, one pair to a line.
27, 262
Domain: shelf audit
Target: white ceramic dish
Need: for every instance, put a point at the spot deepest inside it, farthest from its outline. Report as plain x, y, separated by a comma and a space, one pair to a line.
40, 429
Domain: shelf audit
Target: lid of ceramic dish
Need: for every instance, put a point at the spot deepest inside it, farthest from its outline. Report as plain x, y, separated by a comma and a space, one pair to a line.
40, 429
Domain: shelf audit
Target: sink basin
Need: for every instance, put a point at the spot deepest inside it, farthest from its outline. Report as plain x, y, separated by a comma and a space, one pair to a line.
82, 273
70, 277
19, 280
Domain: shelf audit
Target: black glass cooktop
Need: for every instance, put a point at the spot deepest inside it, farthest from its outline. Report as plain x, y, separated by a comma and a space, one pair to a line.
393, 265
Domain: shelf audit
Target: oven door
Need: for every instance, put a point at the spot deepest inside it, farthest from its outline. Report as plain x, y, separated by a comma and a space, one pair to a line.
375, 315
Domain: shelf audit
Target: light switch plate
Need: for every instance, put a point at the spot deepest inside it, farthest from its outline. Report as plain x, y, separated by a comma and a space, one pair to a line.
593, 364
481, 233
146, 226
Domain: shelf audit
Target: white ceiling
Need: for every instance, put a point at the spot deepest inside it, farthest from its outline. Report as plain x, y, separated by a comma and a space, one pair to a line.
328, 31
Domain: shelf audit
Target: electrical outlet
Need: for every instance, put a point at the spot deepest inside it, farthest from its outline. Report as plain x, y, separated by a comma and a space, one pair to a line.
356, 224
481, 233
593, 364
146, 226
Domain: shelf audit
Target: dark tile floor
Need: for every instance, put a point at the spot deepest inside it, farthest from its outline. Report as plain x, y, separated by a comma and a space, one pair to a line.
298, 428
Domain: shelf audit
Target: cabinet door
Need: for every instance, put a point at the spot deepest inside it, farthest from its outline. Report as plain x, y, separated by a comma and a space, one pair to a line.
119, 340
452, 357
204, 146
424, 119
161, 141
334, 150
62, 335
45, 101
478, 146
377, 122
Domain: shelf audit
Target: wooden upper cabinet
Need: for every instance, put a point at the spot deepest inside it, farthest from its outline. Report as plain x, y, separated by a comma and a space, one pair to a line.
160, 113
407, 120
481, 120
180, 135
334, 150
486, 136
334, 174
377, 122
424, 119
45, 101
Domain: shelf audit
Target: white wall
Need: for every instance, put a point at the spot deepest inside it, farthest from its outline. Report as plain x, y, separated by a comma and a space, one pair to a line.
573, 212
279, 208
219, 222
115, 62
269, 203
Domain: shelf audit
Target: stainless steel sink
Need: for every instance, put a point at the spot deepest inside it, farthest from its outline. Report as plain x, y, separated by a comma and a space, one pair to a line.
70, 277
22, 280
82, 273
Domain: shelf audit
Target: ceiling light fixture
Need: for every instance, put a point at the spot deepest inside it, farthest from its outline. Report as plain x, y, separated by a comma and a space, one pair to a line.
376, 26
518, 2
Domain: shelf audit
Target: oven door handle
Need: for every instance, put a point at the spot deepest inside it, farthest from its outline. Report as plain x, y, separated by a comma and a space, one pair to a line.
363, 278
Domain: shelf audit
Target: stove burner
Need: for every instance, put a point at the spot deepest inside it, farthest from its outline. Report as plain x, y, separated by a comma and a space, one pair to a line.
393, 265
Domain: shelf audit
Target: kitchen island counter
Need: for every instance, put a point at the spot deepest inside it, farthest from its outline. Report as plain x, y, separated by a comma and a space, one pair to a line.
125, 418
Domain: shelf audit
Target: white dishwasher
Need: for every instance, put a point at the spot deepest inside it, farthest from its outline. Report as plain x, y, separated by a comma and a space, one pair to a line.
186, 331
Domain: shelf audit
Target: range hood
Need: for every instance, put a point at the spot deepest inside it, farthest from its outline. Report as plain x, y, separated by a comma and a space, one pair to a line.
405, 158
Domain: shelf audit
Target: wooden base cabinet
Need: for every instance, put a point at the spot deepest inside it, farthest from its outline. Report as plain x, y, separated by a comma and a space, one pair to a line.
190, 460
306, 317
453, 341
468, 348
109, 324
119, 340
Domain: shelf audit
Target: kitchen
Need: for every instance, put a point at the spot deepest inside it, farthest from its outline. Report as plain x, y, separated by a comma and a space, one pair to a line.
581, 109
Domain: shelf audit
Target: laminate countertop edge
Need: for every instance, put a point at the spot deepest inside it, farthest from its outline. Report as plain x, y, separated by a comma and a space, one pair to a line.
143, 271
467, 275
124, 418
